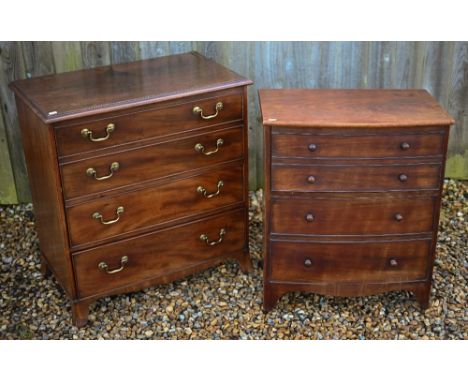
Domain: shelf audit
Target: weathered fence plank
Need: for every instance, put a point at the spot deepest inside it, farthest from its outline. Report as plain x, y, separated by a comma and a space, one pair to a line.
7, 181
95, 53
38, 58
124, 51
12, 68
67, 56
151, 49
457, 164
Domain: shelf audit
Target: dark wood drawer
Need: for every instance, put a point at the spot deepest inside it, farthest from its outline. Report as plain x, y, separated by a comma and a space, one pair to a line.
150, 162
364, 262
153, 205
353, 215
158, 254
356, 146
339, 178
157, 122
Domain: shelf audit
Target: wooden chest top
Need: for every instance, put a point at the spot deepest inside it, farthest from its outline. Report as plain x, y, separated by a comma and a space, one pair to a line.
114, 87
351, 108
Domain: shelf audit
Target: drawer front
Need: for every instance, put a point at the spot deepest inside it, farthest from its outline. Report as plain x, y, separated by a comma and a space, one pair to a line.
150, 162
336, 262
158, 254
352, 216
147, 124
355, 178
150, 206
364, 146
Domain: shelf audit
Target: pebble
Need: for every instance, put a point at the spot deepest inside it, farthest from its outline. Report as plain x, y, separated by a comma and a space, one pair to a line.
223, 303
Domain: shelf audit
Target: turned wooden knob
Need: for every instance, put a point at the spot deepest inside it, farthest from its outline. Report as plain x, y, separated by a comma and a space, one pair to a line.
405, 146
398, 217
403, 177
310, 217
311, 179
307, 262
312, 147
393, 262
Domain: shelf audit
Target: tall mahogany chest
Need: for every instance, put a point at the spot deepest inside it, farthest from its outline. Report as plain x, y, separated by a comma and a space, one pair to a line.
352, 190
138, 172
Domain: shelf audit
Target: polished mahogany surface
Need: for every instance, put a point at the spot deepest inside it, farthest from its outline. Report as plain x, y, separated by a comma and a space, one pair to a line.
357, 145
147, 123
147, 207
160, 253
351, 108
114, 87
147, 163
349, 262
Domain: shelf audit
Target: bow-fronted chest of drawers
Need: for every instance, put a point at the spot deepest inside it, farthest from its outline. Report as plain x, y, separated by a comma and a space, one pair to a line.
138, 172
352, 190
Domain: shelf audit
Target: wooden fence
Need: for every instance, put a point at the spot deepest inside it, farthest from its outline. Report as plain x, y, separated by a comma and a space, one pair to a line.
440, 67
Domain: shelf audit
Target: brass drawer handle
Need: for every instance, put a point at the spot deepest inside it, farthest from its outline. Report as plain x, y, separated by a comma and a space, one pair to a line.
201, 149
85, 133
201, 190
104, 267
198, 110
112, 168
98, 216
204, 237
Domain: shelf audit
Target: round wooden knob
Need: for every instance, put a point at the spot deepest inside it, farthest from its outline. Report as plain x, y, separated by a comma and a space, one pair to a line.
310, 217
403, 177
405, 146
398, 217
312, 147
311, 179
393, 263
307, 262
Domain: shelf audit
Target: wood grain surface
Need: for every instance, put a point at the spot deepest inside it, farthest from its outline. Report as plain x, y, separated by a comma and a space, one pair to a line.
160, 254
359, 108
73, 94
156, 204
150, 162
168, 118
338, 262
353, 216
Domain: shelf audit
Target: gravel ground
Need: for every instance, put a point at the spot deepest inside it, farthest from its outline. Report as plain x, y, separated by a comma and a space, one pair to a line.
223, 303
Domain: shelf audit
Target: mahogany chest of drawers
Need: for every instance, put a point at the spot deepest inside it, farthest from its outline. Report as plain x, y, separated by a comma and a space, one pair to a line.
138, 172
352, 191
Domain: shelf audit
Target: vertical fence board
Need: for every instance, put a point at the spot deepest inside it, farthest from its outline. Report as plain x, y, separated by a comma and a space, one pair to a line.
7, 180
351, 64
95, 53
124, 51
38, 58
67, 56
151, 49
12, 68
457, 165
